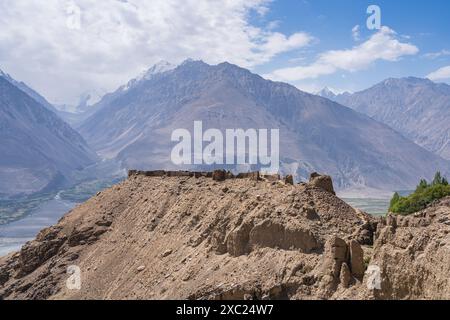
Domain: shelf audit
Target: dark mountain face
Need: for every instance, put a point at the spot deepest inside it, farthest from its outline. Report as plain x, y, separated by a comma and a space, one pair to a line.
135, 123
417, 108
38, 150
25, 88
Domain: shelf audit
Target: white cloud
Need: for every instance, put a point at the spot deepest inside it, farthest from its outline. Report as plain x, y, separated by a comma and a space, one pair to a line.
434, 55
356, 33
383, 45
116, 39
275, 43
440, 74
273, 24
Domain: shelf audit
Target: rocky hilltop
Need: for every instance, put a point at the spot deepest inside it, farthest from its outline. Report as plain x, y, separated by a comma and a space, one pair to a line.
167, 235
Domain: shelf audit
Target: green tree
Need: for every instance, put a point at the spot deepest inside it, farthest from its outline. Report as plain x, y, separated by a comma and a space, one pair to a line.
423, 184
424, 195
437, 179
394, 200
445, 181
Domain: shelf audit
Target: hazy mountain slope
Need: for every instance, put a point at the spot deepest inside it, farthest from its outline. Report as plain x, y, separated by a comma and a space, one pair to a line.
37, 149
72, 118
417, 108
91, 102
32, 93
135, 126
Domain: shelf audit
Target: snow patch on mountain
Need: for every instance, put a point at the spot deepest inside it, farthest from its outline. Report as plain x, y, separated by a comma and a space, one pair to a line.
159, 68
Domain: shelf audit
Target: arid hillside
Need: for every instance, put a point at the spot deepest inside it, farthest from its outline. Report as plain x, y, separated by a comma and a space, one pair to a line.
161, 236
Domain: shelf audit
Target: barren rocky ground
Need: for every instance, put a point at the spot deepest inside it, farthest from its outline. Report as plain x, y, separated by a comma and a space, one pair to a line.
186, 237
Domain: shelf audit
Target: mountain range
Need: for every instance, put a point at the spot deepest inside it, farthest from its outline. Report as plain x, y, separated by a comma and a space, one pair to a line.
38, 150
134, 125
365, 151
417, 108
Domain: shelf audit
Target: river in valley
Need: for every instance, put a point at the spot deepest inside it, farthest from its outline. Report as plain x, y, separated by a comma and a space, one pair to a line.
15, 234
21, 220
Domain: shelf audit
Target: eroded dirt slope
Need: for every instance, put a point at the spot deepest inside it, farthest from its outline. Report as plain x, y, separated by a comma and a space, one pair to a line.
186, 237
196, 238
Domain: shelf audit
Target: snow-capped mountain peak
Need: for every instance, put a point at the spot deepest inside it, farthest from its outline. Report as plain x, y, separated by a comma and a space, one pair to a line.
158, 68
326, 93
327, 90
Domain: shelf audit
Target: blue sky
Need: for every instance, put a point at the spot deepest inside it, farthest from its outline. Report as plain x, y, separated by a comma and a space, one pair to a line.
66, 49
425, 24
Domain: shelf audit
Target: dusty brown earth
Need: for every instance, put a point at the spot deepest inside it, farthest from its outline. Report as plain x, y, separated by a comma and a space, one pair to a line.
163, 237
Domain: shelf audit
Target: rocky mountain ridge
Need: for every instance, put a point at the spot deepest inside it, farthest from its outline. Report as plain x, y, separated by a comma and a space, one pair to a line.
134, 126
417, 108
